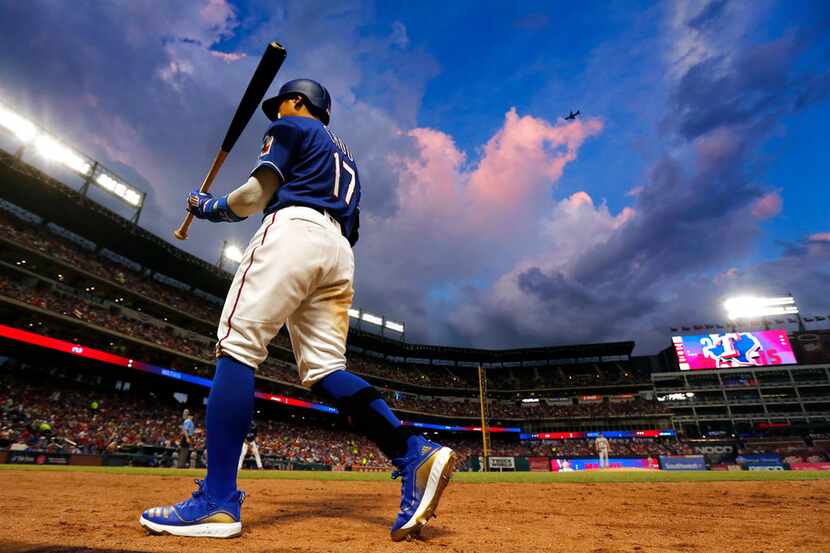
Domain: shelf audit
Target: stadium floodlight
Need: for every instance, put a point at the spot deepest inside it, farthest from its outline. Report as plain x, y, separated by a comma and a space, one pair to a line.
233, 253
118, 188
748, 307
52, 150
24, 129
374, 319
132, 197
392, 325
354, 313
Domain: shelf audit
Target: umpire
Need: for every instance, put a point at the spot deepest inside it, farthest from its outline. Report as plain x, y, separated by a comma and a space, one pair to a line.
185, 439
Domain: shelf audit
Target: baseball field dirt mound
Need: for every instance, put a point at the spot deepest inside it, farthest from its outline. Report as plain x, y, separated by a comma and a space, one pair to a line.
53, 512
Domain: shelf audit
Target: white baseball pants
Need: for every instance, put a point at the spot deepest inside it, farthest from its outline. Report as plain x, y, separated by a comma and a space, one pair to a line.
298, 269
603, 458
254, 450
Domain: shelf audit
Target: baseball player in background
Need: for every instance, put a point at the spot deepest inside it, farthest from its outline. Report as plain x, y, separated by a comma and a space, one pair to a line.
601, 444
250, 442
297, 269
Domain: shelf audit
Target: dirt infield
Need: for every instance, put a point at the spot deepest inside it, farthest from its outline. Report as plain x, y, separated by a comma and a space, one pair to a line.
67, 511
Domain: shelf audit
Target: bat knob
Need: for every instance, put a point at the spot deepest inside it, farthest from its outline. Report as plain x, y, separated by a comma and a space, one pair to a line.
179, 234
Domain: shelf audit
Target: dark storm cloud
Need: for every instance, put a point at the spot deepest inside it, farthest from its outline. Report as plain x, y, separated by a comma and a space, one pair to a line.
741, 88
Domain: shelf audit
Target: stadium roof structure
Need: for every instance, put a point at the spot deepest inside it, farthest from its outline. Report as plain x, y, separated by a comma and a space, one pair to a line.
576, 353
37, 192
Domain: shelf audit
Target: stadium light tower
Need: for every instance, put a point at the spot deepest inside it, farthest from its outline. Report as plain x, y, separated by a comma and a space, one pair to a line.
231, 252
752, 307
24, 129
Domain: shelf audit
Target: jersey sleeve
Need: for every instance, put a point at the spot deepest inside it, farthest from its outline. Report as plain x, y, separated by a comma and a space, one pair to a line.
278, 147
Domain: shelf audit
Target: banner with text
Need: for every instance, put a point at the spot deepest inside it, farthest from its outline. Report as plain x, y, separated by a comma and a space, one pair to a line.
571, 465
682, 462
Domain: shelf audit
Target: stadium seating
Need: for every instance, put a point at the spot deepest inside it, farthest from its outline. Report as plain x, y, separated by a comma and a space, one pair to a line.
55, 414
97, 309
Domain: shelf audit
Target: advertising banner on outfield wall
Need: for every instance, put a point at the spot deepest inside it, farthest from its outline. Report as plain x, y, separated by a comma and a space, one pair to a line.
682, 462
570, 465
37, 458
763, 466
759, 458
809, 466
502, 463
538, 464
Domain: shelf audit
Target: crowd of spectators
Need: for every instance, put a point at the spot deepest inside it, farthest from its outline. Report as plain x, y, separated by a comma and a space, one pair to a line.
73, 253
43, 418
154, 331
94, 311
89, 311
86, 421
521, 378
508, 409
144, 327
77, 418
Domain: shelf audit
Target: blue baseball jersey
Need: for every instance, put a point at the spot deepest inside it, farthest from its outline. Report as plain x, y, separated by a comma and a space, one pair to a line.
316, 167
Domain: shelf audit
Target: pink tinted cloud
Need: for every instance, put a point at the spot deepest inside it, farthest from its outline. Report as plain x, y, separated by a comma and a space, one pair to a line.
429, 183
768, 205
820, 237
216, 13
227, 56
527, 152
518, 165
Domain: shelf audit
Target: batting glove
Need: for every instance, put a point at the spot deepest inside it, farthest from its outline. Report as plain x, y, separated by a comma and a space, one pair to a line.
216, 210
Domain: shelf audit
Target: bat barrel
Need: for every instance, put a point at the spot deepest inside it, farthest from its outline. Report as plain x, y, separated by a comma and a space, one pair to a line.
264, 74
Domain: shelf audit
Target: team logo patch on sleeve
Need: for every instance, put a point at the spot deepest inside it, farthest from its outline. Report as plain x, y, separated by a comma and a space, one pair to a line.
266, 145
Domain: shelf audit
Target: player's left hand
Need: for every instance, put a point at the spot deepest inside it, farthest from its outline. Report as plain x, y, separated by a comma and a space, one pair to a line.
204, 206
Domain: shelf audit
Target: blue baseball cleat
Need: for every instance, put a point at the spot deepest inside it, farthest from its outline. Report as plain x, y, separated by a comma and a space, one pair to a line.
425, 472
198, 517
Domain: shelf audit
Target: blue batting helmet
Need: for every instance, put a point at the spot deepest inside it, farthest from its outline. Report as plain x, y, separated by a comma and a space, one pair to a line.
316, 94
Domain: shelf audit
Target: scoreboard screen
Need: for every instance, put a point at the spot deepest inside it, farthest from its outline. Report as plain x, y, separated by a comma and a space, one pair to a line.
734, 349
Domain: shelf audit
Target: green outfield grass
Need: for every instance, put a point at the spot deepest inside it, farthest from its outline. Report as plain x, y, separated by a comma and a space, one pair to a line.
467, 477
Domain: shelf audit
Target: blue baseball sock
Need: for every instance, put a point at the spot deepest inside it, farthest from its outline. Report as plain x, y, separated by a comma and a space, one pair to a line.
368, 412
230, 408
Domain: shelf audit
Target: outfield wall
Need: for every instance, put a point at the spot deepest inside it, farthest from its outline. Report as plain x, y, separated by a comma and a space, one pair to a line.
766, 461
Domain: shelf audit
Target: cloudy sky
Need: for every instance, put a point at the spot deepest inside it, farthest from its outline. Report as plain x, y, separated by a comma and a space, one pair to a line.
698, 169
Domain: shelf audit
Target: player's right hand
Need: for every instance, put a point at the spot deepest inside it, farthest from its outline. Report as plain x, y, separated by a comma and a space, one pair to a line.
216, 210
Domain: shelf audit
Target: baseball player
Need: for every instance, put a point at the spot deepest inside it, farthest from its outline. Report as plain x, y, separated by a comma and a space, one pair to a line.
297, 270
601, 444
250, 441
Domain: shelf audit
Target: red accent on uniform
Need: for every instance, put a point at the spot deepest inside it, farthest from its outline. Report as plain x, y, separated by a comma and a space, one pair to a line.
242, 284
266, 146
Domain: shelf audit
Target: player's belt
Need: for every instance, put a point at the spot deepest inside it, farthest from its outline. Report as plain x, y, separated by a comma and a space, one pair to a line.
322, 212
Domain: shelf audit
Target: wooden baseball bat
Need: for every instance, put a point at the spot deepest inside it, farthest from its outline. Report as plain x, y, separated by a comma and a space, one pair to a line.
263, 77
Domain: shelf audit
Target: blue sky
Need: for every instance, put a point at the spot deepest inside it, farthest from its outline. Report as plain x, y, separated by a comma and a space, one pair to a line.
696, 171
